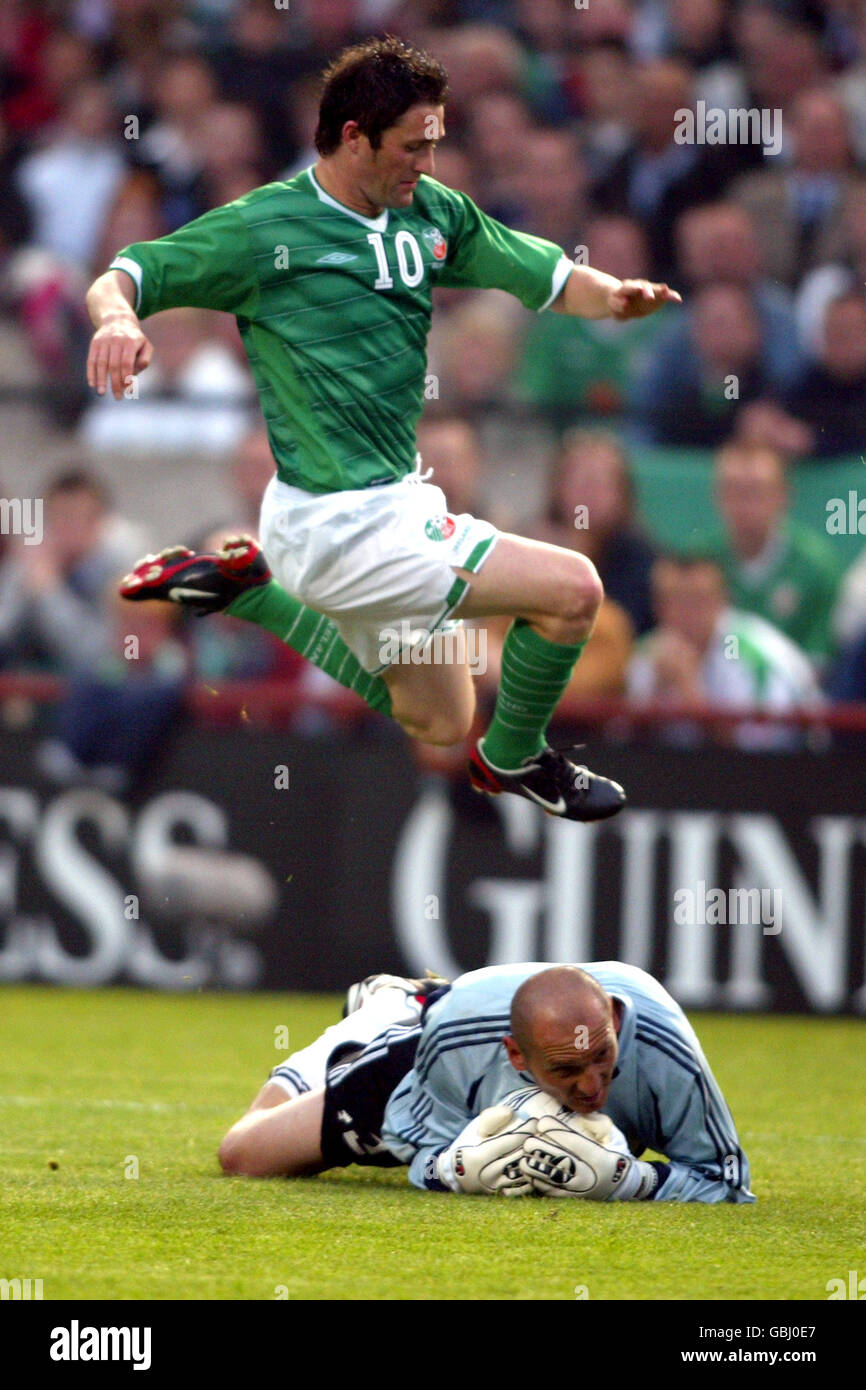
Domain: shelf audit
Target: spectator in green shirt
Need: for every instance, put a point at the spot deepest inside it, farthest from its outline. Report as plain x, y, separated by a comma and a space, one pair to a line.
589, 372
774, 566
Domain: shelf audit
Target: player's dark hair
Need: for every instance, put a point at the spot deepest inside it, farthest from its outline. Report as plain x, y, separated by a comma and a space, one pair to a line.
375, 83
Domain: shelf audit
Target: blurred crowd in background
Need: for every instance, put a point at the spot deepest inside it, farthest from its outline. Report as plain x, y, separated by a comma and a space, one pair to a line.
120, 120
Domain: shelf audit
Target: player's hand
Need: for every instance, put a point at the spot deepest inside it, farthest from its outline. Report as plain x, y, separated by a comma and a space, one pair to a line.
118, 352
561, 1162
485, 1157
635, 299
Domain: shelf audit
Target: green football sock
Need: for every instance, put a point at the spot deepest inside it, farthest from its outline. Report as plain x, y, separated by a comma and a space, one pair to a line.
313, 636
535, 673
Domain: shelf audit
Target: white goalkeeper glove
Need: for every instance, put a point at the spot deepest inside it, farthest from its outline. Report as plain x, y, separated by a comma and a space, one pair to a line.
486, 1156
561, 1161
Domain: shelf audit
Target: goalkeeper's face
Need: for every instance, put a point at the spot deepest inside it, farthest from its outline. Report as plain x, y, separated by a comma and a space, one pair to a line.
572, 1062
389, 175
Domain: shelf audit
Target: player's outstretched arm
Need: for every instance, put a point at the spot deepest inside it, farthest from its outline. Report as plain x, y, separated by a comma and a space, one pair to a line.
592, 294
119, 349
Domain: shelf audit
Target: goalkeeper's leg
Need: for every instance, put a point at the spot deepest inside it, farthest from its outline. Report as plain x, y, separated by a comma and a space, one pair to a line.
281, 1133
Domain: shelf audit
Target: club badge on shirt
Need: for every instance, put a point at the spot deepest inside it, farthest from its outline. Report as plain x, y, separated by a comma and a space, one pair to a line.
440, 528
436, 241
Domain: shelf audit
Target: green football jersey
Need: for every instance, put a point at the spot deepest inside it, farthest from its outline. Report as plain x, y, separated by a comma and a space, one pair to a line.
334, 310
796, 592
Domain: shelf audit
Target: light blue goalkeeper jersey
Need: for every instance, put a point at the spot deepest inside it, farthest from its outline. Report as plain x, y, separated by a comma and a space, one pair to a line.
663, 1095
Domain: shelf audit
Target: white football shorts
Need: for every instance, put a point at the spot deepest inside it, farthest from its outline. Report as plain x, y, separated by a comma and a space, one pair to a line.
378, 561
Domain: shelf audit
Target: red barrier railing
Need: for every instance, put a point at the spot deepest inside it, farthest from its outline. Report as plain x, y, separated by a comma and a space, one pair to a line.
275, 701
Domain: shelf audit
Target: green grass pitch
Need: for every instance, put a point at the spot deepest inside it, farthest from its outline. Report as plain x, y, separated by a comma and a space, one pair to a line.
96, 1085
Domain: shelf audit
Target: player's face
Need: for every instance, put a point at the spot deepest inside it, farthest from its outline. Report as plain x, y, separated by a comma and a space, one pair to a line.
575, 1067
389, 175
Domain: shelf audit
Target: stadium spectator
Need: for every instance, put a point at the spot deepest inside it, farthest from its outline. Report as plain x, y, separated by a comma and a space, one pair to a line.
543, 27
25, 101
551, 192
329, 25
850, 82
498, 124
479, 58
473, 352
136, 213
195, 400
69, 184
657, 178
112, 722
703, 652
233, 158
774, 566
718, 242
574, 371
849, 614
450, 445
455, 169
52, 608
597, 80
172, 145
780, 50
257, 67
844, 269
41, 64
831, 394
592, 509
14, 213
698, 33
796, 210
846, 682
767, 425
694, 398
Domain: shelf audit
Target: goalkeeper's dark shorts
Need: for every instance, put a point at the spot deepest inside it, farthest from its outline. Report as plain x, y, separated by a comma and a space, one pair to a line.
358, 1086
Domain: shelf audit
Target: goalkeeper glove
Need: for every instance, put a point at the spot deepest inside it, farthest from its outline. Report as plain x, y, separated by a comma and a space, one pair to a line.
563, 1162
485, 1156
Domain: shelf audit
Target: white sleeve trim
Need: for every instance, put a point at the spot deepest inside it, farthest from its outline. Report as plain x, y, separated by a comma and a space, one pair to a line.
133, 270
561, 273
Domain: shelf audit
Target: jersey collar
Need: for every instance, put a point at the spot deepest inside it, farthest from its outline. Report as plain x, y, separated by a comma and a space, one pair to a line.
626, 1027
376, 224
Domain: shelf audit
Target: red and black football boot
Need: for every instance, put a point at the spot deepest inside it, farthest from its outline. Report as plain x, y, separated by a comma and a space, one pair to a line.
559, 786
204, 583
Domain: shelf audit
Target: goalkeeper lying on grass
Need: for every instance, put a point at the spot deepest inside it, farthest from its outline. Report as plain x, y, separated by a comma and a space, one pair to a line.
496, 1084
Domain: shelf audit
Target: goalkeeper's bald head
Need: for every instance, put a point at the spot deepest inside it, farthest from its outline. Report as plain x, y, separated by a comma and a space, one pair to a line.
561, 993
564, 1029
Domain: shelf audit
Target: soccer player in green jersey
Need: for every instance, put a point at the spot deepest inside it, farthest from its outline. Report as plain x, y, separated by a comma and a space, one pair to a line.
330, 276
